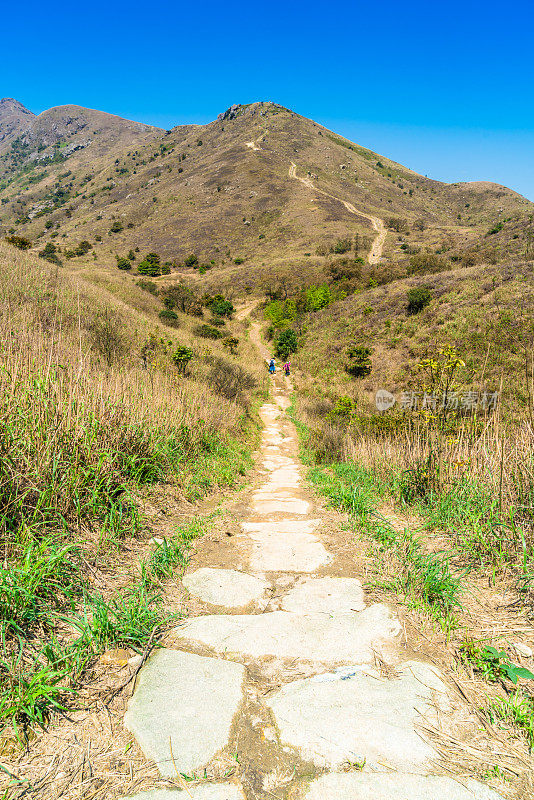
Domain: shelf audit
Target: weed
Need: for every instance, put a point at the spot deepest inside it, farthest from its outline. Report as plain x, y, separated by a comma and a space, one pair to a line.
492, 664
517, 710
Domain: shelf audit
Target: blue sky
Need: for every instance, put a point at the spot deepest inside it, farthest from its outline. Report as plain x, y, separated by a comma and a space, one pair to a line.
445, 88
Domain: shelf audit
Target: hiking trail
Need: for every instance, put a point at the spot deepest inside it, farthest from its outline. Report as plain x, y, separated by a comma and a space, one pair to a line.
375, 253
290, 683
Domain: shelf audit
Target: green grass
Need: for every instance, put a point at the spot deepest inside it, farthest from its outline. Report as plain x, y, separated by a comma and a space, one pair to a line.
425, 579
47, 592
516, 710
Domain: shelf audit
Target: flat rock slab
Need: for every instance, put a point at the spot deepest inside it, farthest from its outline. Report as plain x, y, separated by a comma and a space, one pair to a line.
364, 786
225, 587
286, 546
211, 791
343, 639
187, 700
353, 715
282, 505
325, 596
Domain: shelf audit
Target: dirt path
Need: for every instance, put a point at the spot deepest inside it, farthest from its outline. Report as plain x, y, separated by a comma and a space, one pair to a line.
289, 682
375, 253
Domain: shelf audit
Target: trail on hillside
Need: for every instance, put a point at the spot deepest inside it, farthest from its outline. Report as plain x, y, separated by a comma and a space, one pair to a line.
290, 681
375, 253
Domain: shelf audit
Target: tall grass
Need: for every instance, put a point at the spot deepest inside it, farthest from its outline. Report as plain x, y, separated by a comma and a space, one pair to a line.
475, 481
84, 428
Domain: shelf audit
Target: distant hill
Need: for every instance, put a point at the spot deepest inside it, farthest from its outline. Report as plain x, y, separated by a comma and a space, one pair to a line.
224, 191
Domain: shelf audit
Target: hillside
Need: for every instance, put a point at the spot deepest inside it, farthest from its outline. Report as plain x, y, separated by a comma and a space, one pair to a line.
227, 191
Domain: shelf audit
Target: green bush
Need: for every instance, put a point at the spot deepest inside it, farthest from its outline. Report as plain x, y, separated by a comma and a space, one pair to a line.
148, 286
219, 306
231, 343
116, 227
207, 332
19, 241
418, 298
359, 363
191, 261
49, 253
286, 343
181, 357
239, 261
342, 246
169, 317
124, 263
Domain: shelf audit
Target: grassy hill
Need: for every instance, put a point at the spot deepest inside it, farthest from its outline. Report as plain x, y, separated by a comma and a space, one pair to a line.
222, 191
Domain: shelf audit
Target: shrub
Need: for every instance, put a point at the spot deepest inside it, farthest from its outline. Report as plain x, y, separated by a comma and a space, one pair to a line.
169, 317
148, 286
108, 337
359, 363
49, 253
116, 227
496, 228
230, 380
286, 343
342, 246
418, 298
124, 263
427, 262
231, 343
397, 224
19, 241
181, 296
150, 265
131, 255
219, 322
191, 261
239, 260
219, 306
207, 332
181, 357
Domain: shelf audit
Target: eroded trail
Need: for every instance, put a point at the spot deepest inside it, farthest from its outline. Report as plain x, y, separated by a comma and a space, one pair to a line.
375, 253
289, 683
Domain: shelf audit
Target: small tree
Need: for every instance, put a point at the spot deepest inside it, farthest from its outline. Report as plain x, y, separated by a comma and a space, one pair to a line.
418, 298
124, 263
359, 363
231, 343
286, 343
181, 358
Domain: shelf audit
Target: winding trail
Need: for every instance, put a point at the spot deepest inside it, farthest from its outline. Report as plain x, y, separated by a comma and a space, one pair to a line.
289, 684
375, 253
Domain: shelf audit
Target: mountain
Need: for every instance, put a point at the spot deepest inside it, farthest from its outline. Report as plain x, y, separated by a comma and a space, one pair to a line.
14, 119
259, 184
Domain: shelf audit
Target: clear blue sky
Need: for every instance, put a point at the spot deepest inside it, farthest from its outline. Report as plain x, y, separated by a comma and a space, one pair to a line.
443, 87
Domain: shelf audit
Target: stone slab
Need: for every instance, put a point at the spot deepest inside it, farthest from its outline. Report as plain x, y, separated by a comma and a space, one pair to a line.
187, 700
325, 596
267, 507
285, 546
355, 716
210, 791
365, 786
343, 639
227, 588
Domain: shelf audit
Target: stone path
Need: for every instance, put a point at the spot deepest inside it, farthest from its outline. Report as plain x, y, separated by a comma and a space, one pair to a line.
290, 672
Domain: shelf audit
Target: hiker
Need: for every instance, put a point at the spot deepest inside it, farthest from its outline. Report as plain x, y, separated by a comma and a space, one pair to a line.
272, 368
287, 368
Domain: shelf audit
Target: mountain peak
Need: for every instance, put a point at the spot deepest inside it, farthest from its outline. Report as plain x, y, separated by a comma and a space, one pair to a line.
10, 105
